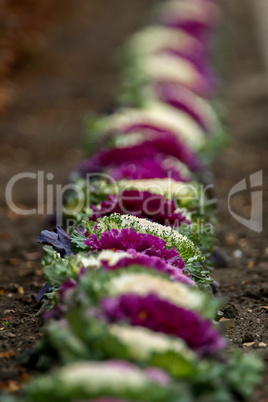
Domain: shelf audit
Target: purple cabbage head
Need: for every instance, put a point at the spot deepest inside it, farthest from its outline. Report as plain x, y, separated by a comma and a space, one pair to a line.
162, 316
126, 239
153, 262
146, 169
144, 160
143, 205
183, 99
199, 28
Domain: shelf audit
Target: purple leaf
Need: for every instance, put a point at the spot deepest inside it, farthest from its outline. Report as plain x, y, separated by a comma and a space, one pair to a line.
58, 239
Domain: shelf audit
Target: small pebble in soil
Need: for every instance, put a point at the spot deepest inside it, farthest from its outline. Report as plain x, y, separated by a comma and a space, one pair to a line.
243, 242
262, 345
237, 254
8, 311
10, 335
248, 344
20, 290
230, 239
251, 264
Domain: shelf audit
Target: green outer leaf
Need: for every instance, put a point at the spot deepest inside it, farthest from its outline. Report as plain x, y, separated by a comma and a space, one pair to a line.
78, 242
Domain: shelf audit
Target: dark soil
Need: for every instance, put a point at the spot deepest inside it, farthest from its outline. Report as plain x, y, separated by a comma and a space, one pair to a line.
244, 284
43, 129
